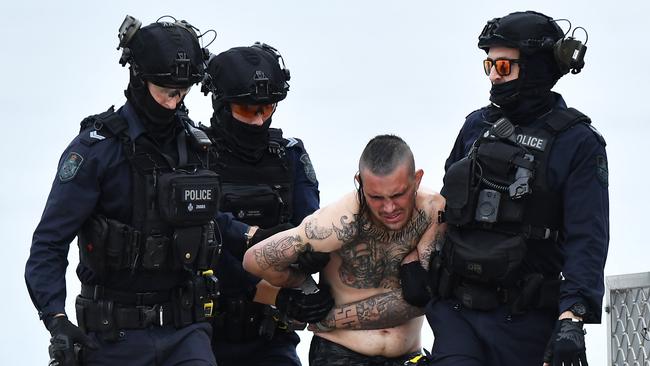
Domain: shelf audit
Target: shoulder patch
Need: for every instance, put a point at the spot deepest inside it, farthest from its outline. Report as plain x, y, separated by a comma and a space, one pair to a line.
292, 141
70, 166
602, 172
309, 168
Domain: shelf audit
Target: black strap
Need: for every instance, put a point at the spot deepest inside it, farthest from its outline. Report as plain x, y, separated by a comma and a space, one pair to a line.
122, 297
562, 119
105, 316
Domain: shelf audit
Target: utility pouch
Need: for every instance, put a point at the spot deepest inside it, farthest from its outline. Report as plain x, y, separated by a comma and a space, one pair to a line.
98, 316
255, 205
183, 305
528, 293
156, 248
233, 320
188, 199
477, 297
460, 191
92, 245
122, 245
483, 256
187, 242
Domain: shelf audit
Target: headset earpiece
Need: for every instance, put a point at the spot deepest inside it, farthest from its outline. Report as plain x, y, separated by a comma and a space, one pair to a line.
570, 55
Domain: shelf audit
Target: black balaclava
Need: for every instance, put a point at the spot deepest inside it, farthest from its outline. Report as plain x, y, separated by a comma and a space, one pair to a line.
248, 142
157, 120
529, 96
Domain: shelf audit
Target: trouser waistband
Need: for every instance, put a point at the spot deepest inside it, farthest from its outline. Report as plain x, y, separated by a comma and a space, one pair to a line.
338, 353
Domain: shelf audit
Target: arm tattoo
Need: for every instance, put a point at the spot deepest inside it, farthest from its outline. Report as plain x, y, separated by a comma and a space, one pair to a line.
377, 312
279, 253
425, 254
313, 231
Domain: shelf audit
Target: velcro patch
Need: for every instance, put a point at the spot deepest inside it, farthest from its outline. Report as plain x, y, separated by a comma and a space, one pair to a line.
70, 166
309, 168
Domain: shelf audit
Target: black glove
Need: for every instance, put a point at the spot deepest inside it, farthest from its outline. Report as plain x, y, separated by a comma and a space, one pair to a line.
261, 234
310, 262
305, 308
64, 337
415, 284
567, 345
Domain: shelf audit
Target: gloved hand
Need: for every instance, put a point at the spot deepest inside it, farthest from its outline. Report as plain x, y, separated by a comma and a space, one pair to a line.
567, 345
415, 284
261, 234
64, 337
305, 308
310, 262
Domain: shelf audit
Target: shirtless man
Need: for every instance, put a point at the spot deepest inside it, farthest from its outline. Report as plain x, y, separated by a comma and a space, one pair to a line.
369, 234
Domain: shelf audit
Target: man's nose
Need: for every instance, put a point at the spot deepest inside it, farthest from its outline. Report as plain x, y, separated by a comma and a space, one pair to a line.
389, 206
172, 102
495, 78
257, 120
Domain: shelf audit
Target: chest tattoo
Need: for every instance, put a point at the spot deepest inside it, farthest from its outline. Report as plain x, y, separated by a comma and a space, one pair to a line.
371, 256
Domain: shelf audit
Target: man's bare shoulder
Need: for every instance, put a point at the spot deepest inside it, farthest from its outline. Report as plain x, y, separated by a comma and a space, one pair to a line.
331, 226
430, 201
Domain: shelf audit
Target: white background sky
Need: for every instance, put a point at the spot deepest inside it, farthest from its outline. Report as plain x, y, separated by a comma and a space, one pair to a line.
359, 68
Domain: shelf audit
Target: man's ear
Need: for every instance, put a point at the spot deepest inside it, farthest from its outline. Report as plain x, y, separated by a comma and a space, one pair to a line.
418, 177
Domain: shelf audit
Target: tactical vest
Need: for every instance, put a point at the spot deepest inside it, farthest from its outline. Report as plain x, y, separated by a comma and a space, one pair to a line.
261, 193
173, 206
499, 200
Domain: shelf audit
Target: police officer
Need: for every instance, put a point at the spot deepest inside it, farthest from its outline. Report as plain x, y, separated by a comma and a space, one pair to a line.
133, 187
521, 268
268, 182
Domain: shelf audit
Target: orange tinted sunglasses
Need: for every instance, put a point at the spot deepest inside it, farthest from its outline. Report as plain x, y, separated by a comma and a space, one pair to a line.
251, 111
503, 66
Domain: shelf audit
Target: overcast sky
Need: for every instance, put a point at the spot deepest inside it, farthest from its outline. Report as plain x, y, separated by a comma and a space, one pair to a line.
359, 68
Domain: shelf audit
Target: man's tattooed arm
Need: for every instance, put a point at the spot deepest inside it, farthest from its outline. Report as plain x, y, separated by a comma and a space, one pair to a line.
313, 231
273, 261
381, 311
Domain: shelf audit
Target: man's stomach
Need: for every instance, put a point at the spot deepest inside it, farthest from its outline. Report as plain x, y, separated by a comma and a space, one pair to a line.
388, 342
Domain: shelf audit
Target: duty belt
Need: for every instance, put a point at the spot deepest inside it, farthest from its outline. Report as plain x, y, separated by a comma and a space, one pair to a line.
532, 293
102, 316
123, 297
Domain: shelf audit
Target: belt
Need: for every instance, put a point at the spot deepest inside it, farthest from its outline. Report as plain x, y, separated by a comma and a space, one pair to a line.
99, 316
98, 292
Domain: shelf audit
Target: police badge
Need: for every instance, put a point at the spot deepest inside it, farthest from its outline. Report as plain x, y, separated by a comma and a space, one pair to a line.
70, 166
309, 168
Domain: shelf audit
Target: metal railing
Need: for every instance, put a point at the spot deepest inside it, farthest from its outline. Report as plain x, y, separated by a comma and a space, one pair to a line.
627, 304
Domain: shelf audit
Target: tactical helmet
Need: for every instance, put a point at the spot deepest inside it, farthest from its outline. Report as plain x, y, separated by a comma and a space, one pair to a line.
164, 53
528, 31
533, 32
247, 75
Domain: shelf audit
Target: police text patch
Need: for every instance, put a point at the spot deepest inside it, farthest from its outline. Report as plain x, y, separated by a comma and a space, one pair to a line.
70, 166
533, 142
309, 168
602, 172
